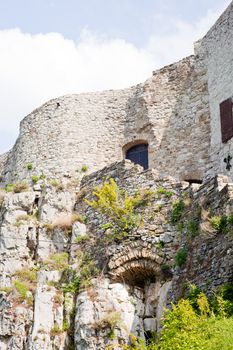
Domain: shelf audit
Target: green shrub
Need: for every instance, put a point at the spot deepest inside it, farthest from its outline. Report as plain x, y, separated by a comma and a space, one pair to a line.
9, 187
81, 239
35, 179
189, 328
219, 223
27, 274
107, 226
193, 228
73, 285
57, 261
88, 270
16, 188
184, 329
230, 219
117, 205
181, 256
162, 191
55, 330
177, 210
29, 166
57, 184
222, 302
6, 290
22, 288
84, 168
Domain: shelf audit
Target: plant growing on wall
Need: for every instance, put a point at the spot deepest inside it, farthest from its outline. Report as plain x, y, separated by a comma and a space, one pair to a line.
118, 205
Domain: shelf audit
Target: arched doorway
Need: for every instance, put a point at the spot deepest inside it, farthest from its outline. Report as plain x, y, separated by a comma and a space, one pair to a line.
139, 155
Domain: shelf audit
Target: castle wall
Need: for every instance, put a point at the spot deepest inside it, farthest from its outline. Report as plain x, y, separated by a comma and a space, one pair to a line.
58, 139
216, 50
169, 111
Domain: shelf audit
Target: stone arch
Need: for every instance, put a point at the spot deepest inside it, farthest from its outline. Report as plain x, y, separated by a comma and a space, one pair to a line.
135, 266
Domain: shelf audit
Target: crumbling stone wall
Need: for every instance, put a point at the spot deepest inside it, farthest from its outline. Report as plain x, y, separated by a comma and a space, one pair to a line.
137, 274
216, 50
169, 111
210, 254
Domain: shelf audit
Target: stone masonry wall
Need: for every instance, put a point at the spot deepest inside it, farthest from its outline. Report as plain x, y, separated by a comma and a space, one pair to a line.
169, 111
136, 274
216, 50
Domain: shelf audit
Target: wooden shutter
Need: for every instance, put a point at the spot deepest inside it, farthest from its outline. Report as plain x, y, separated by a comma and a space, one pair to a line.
226, 119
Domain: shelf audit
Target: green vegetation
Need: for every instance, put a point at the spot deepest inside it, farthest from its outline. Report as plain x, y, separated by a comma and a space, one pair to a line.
107, 226
119, 207
84, 168
193, 228
81, 239
35, 179
25, 284
6, 290
110, 321
194, 324
72, 283
16, 188
22, 288
162, 191
88, 270
57, 184
55, 330
177, 210
29, 166
57, 261
27, 274
219, 223
181, 256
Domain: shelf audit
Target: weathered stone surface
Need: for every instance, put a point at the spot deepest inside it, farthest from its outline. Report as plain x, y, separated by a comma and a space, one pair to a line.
176, 112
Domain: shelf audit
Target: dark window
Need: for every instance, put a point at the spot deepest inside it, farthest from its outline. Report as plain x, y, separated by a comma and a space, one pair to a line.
139, 155
226, 119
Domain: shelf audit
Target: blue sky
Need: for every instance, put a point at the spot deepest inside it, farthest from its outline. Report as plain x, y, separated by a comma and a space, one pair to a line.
54, 47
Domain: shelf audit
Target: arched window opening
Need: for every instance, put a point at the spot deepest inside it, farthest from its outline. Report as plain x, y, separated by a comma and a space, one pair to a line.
138, 154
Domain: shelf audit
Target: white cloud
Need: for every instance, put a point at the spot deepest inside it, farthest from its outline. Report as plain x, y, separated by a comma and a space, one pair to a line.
35, 68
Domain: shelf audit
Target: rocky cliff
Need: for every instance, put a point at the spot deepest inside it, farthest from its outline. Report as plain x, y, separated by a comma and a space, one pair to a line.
77, 275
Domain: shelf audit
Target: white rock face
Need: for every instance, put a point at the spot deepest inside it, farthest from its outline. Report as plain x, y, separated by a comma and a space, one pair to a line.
115, 308
46, 315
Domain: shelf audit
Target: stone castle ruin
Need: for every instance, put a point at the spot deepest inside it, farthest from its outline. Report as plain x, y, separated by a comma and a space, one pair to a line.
69, 279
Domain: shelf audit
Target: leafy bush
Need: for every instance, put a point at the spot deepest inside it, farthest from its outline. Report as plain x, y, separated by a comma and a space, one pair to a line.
22, 288
181, 256
9, 187
219, 223
35, 179
84, 168
81, 239
177, 210
117, 205
193, 228
189, 328
29, 166
184, 329
73, 282
162, 191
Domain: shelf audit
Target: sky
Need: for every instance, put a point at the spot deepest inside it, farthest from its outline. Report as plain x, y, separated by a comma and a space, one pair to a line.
50, 48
